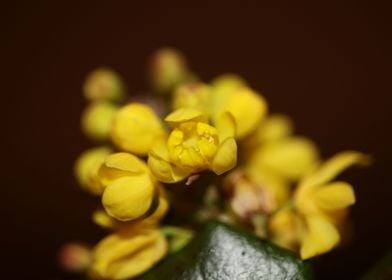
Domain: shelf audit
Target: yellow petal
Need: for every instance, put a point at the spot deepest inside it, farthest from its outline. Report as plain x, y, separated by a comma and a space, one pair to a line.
129, 198
102, 219
104, 84
160, 166
126, 255
225, 157
291, 157
285, 228
159, 213
334, 196
225, 126
322, 236
97, 120
120, 165
87, 166
135, 128
227, 83
331, 168
184, 115
276, 127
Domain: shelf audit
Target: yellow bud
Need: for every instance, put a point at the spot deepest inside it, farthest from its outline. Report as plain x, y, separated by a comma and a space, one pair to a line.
127, 254
290, 157
192, 95
87, 166
101, 218
168, 69
129, 198
247, 106
103, 84
97, 120
227, 83
135, 128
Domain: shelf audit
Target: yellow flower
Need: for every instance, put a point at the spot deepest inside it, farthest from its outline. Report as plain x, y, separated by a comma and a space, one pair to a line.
104, 84
128, 253
130, 192
273, 148
168, 69
97, 120
230, 94
135, 128
87, 166
193, 146
317, 203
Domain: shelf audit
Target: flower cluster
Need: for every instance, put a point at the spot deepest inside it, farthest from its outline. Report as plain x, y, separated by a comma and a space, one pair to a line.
264, 177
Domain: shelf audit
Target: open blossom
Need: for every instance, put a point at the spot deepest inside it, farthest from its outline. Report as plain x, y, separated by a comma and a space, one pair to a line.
193, 146
318, 202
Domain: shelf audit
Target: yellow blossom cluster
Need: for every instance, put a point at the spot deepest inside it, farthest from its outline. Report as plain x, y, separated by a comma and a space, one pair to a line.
272, 181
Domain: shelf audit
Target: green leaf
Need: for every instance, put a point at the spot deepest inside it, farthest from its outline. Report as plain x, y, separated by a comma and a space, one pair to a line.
227, 253
382, 270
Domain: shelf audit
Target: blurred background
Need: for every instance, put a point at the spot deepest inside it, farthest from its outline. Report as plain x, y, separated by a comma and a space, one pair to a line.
326, 65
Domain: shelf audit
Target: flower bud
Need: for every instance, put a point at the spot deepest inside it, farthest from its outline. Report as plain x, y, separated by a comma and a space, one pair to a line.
130, 191
87, 167
97, 120
103, 84
168, 69
230, 94
135, 128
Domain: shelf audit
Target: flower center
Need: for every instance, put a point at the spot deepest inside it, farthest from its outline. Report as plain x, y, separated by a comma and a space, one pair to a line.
192, 145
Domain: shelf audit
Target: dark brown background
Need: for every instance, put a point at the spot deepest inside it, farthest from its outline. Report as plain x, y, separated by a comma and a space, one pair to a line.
327, 65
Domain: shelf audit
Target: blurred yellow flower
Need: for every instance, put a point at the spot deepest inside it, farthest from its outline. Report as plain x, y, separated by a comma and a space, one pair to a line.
272, 159
97, 120
193, 146
128, 253
317, 204
87, 166
135, 128
231, 94
104, 84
